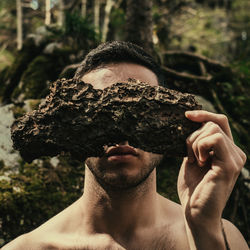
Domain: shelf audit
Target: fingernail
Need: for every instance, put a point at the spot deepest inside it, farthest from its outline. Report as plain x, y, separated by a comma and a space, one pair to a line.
190, 112
186, 113
202, 162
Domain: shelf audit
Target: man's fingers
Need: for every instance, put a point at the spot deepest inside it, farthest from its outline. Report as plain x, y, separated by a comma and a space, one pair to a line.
205, 116
194, 139
215, 143
213, 138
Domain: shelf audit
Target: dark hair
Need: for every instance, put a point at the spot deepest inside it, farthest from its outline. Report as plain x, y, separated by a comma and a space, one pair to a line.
115, 52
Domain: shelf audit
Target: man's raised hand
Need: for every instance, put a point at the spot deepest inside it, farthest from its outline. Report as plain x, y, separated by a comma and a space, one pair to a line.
208, 175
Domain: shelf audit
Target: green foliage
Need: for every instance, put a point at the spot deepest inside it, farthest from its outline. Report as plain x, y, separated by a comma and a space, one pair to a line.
36, 193
204, 30
167, 174
243, 68
117, 23
6, 4
240, 20
6, 58
55, 33
234, 96
80, 30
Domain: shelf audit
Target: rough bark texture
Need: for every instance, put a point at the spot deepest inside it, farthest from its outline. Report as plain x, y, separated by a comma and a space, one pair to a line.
79, 119
139, 24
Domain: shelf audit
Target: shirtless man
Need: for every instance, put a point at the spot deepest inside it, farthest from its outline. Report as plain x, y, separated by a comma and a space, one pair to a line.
120, 207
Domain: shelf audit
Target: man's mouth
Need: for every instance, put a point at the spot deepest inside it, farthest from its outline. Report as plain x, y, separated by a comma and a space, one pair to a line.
121, 152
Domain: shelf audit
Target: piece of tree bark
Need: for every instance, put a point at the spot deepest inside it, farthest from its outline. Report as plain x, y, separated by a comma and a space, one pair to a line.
79, 119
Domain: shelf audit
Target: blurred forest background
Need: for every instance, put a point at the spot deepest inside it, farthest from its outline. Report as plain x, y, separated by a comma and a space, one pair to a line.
203, 47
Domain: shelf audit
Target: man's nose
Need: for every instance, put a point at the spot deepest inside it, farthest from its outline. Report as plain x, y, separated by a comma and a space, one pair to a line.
122, 143
105, 147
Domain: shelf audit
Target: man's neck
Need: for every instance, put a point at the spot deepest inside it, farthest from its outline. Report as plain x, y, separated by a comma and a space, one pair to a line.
117, 212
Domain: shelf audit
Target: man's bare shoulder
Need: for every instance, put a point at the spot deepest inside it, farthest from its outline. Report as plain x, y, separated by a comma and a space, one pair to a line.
39, 237
234, 237
171, 210
18, 243
32, 241
29, 241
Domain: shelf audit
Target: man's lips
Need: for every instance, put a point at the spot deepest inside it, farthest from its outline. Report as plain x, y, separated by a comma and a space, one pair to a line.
121, 150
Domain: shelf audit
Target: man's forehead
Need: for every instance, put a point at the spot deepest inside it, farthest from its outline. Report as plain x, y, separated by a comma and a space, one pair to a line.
109, 74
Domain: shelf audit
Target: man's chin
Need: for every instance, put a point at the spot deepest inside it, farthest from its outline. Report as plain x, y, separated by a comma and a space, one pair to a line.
122, 181
121, 174
117, 181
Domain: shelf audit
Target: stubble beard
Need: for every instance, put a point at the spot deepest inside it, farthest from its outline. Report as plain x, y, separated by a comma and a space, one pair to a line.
119, 180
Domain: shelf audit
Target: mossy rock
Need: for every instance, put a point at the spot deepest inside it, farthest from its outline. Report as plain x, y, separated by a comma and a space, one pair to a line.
34, 79
36, 193
39, 73
15, 71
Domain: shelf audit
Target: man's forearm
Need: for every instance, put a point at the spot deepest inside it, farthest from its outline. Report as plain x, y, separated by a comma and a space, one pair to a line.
205, 237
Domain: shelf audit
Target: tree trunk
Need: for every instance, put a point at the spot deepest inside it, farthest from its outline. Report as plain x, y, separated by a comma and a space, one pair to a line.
19, 24
97, 15
139, 24
47, 12
108, 8
84, 8
61, 13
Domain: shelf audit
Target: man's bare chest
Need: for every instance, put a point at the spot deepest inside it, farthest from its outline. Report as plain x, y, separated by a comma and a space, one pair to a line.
148, 245
160, 241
